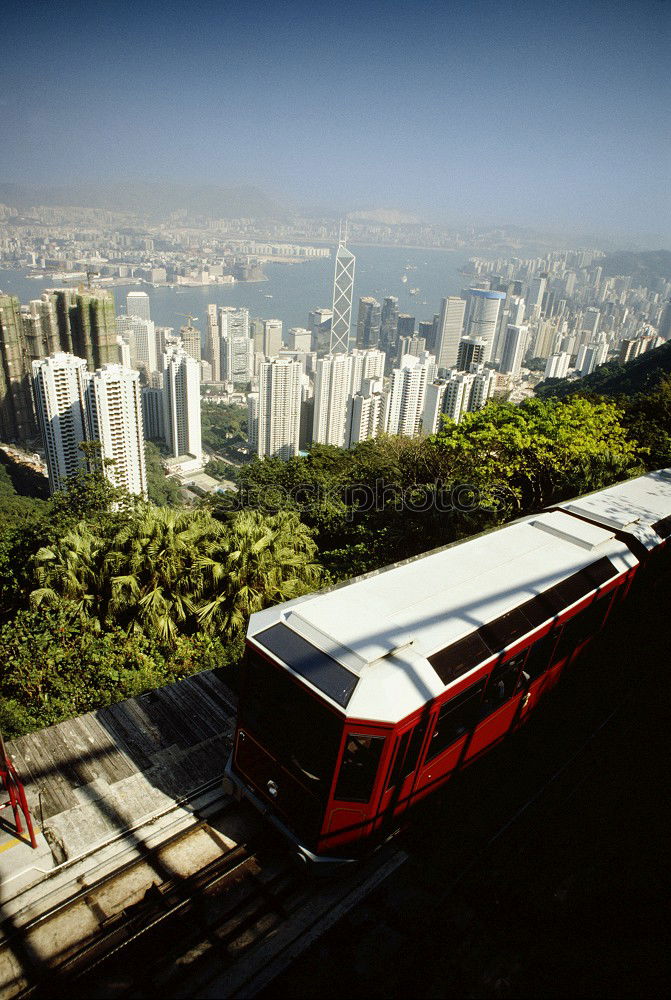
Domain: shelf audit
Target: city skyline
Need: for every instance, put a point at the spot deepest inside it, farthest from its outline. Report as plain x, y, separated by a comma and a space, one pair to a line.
550, 115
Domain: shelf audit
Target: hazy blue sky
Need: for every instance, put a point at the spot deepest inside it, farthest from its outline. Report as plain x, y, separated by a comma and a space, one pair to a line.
515, 111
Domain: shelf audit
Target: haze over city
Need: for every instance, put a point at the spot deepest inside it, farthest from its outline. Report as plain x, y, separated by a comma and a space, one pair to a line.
553, 116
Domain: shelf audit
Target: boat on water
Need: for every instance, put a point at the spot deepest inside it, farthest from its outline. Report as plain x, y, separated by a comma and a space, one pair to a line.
404, 278
266, 296
414, 291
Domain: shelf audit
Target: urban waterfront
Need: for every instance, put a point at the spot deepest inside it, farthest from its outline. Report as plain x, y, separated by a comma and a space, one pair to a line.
292, 290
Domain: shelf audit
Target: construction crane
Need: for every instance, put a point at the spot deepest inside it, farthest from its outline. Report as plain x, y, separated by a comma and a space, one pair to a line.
188, 317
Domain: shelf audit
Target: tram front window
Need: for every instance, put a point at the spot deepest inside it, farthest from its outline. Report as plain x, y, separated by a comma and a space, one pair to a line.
301, 733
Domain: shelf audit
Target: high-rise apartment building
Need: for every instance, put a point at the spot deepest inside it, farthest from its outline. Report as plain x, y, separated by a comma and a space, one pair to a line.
557, 365
471, 352
114, 417
410, 345
278, 423
405, 399
237, 349
137, 304
40, 328
17, 422
368, 323
590, 356
59, 385
366, 410
153, 417
87, 321
366, 365
300, 339
333, 390
459, 393
181, 403
343, 285
449, 331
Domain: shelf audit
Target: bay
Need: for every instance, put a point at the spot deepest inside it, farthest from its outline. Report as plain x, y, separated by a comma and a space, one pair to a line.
293, 290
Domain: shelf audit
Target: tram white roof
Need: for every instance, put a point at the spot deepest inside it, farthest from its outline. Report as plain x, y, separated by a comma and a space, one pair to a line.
633, 506
383, 626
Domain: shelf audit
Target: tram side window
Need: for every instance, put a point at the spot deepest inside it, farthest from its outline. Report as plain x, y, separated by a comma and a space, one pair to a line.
456, 718
407, 754
359, 767
540, 655
582, 626
505, 681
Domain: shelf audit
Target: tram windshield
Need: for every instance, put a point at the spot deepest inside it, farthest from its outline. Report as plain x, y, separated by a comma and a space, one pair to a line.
300, 732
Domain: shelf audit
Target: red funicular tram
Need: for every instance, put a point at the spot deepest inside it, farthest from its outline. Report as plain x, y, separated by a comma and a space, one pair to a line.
358, 701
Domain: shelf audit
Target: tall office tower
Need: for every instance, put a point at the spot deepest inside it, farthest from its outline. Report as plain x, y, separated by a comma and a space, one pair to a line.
557, 366
405, 325
535, 296
449, 330
368, 323
190, 337
181, 403
152, 414
319, 324
427, 332
17, 420
365, 412
237, 350
59, 385
140, 334
279, 409
388, 322
569, 283
300, 339
332, 396
470, 352
591, 321
514, 346
481, 316
410, 345
253, 419
137, 304
212, 352
405, 401
366, 365
272, 337
546, 339
343, 285
257, 332
114, 417
92, 326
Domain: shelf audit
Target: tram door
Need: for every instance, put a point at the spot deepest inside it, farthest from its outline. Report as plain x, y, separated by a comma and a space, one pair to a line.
506, 699
402, 772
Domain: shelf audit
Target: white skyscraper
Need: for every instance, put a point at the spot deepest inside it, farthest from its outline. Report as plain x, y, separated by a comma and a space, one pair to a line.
272, 337
459, 393
512, 352
137, 304
590, 356
237, 349
557, 365
405, 400
140, 334
60, 400
279, 409
482, 316
343, 285
114, 410
366, 365
450, 326
212, 347
366, 412
333, 390
181, 403
300, 339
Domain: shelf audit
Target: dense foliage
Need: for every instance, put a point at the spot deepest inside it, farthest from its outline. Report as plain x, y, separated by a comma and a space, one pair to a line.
103, 596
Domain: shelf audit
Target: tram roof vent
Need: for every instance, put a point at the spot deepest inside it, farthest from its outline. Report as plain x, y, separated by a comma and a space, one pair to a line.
570, 529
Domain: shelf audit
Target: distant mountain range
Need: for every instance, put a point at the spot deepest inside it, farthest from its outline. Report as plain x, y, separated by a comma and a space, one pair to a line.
146, 198
645, 266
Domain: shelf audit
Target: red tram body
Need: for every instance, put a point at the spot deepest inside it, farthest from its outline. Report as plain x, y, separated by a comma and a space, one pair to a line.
359, 701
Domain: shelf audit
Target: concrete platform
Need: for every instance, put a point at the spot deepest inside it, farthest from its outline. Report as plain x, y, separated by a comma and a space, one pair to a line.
90, 779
